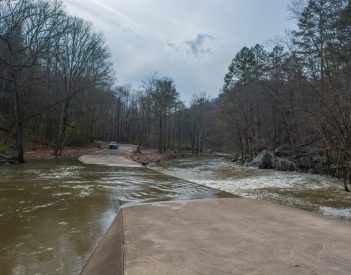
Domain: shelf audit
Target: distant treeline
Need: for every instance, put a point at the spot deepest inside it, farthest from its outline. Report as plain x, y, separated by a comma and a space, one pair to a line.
55, 74
57, 87
296, 97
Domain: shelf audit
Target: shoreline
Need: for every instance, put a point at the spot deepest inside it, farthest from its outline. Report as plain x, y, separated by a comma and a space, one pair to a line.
47, 152
149, 156
145, 158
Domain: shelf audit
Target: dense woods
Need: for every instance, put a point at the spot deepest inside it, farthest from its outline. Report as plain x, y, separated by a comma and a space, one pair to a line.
295, 98
51, 64
57, 88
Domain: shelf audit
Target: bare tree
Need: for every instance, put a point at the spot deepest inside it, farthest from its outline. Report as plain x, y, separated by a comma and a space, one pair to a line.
27, 30
81, 63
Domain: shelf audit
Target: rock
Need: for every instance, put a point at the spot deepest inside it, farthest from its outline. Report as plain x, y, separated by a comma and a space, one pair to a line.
265, 160
285, 165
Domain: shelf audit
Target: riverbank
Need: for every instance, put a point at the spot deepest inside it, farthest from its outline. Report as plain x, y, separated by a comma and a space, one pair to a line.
97, 153
149, 156
43, 152
47, 152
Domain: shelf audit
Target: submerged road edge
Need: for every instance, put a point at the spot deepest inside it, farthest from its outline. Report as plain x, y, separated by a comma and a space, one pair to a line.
217, 236
108, 256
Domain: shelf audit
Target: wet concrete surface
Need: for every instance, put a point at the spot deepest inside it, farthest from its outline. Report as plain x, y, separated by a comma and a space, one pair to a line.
111, 157
222, 236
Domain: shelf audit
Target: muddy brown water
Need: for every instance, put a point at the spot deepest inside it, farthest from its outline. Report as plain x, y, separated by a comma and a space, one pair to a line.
53, 213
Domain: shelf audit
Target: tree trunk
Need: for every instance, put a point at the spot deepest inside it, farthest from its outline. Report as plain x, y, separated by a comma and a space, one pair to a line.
174, 131
345, 184
62, 132
92, 121
19, 139
346, 177
18, 122
165, 136
160, 142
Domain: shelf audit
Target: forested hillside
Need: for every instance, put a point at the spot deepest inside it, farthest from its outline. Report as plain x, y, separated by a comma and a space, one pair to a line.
58, 88
296, 97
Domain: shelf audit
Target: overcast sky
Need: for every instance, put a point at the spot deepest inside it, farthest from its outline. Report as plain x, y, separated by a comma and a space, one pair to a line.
192, 41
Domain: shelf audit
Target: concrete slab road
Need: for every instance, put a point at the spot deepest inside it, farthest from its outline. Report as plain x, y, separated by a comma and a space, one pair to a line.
111, 157
222, 236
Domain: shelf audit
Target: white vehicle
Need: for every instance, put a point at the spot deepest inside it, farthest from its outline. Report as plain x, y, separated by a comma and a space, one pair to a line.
113, 145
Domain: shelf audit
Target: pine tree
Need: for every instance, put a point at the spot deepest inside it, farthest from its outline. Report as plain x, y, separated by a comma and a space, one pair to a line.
247, 65
317, 32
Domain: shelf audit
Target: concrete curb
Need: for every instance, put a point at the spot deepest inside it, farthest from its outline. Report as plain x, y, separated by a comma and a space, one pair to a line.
108, 257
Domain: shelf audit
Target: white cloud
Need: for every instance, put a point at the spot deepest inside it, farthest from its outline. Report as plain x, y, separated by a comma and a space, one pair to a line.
190, 41
198, 48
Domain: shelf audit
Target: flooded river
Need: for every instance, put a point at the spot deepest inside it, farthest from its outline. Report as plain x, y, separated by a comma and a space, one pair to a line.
305, 191
53, 213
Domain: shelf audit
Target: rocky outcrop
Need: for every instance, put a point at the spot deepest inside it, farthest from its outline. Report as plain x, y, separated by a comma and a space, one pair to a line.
283, 164
265, 160
284, 160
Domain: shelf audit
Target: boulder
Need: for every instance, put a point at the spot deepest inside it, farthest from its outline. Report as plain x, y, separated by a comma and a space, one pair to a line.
284, 164
265, 160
